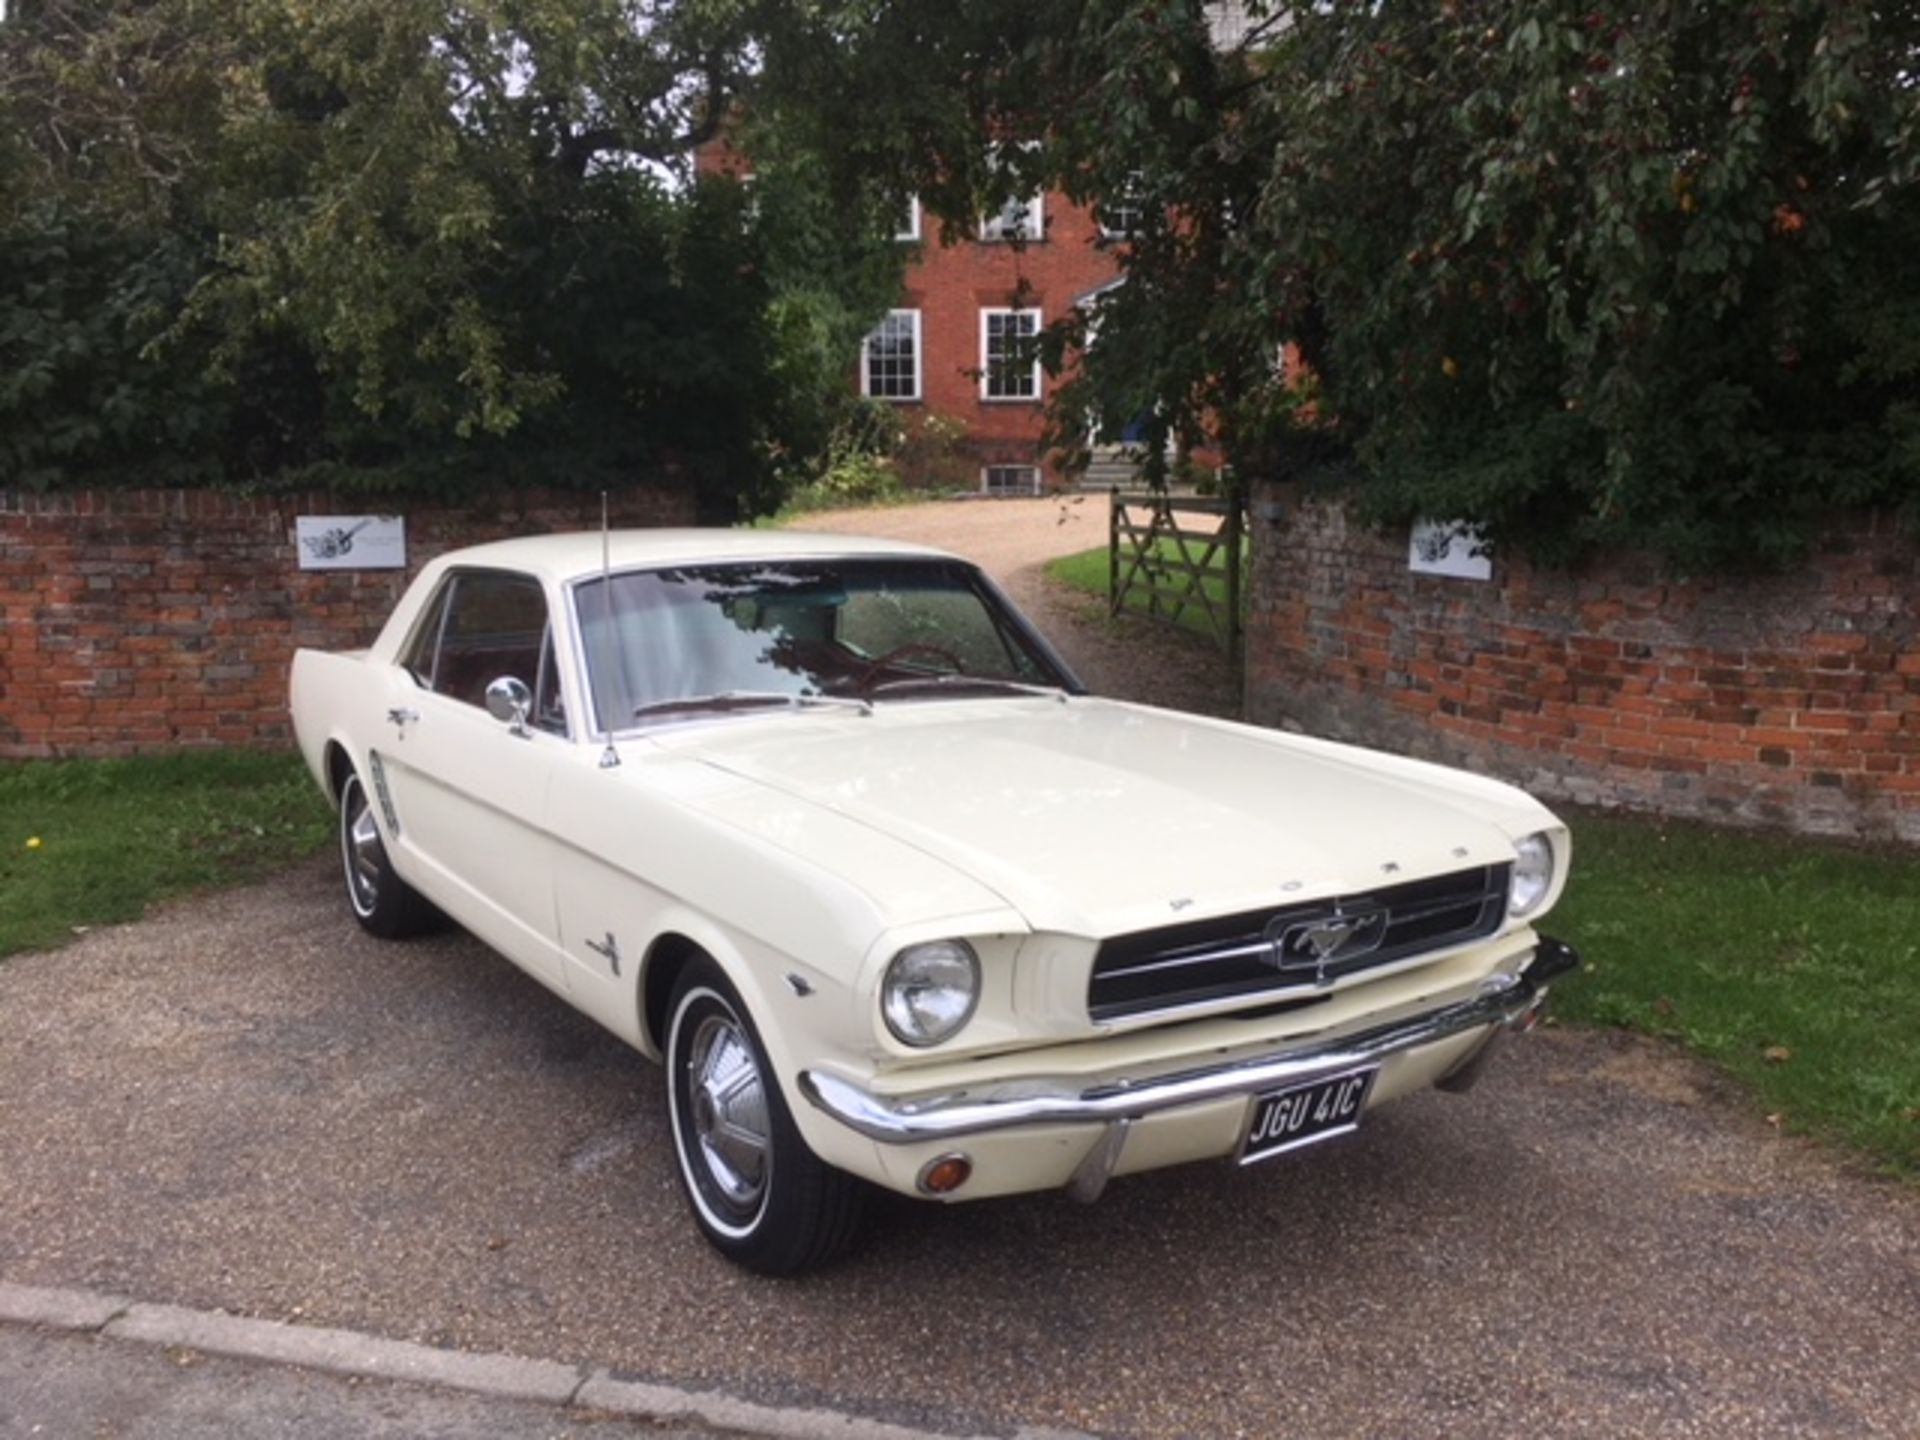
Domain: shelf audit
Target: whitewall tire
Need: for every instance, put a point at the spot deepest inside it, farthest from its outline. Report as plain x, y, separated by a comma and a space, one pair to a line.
759, 1195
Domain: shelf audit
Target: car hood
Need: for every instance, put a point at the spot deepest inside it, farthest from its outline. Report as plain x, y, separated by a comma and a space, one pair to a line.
1094, 817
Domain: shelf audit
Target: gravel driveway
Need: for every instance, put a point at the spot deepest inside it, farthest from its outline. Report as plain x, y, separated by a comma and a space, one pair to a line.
245, 1102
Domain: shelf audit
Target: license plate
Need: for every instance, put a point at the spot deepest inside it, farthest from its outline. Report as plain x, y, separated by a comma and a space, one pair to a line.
1300, 1115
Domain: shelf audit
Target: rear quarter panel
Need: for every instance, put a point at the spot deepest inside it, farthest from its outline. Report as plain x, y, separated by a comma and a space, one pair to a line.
333, 697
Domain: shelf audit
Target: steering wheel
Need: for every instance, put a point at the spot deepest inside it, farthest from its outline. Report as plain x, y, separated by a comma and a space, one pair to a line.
901, 652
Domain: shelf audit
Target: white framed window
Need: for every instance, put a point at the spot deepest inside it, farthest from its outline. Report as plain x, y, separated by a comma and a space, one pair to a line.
1121, 215
1010, 479
749, 196
890, 358
1009, 370
907, 227
1022, 217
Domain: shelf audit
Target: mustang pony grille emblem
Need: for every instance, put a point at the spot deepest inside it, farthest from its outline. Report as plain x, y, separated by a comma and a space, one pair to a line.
1347, 934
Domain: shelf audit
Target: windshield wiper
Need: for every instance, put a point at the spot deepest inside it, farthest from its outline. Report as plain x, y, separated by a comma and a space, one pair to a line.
747, 700
966, 682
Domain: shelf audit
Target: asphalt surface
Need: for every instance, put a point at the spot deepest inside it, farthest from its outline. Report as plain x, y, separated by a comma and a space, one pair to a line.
245, 1103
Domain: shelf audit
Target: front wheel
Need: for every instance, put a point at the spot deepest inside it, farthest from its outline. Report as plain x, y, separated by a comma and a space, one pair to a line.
383, 903
761, 1197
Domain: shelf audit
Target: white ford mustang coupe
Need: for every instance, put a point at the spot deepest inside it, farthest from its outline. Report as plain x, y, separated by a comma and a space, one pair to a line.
827, 827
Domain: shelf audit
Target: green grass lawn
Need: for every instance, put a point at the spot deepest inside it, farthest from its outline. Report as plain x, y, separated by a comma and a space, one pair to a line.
1794, 964
1087, 571
115, 835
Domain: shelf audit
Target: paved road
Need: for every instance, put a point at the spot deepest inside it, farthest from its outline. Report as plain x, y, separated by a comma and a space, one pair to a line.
245, 1103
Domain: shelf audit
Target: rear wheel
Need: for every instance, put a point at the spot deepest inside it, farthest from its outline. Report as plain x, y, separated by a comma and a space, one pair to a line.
383, 903
761, 1197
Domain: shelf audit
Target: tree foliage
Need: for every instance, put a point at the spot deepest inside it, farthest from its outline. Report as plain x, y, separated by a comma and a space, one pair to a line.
78, 394
1588, 273
1651, 280
404, 243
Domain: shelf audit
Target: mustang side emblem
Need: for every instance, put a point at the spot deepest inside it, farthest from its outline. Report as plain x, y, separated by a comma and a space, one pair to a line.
1347, 934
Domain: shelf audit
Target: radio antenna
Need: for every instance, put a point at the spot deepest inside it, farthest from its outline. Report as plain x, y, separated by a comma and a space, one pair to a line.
610, 757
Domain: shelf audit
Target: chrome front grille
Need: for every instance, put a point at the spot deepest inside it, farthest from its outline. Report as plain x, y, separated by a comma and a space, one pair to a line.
1294, 949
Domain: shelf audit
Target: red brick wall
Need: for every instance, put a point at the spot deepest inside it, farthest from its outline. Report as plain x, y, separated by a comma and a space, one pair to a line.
1789, 700
148, 619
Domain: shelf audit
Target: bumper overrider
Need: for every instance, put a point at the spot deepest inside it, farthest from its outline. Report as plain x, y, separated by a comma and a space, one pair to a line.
1505, 1002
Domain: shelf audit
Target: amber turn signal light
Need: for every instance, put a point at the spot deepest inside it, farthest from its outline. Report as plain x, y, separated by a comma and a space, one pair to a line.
944, 1174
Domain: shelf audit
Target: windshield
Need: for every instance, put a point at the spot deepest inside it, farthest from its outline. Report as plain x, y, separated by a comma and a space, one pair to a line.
666, 644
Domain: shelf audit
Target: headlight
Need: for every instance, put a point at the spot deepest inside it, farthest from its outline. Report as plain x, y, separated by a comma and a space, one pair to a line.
929, 991
1532, 874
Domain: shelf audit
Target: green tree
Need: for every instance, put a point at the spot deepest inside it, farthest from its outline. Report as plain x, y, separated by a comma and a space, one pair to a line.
416, 244
1589, 273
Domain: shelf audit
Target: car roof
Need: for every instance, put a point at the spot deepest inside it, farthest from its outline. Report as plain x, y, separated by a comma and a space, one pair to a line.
573, 555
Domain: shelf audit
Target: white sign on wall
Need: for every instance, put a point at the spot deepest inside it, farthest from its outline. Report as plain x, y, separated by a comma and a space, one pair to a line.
351, 542
1449, 547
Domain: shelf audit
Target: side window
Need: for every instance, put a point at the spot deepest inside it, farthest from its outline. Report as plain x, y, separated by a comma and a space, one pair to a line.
549, 707
496, 624
423, 649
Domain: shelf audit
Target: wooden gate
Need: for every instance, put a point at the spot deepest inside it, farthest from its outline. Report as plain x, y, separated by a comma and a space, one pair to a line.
1177, 559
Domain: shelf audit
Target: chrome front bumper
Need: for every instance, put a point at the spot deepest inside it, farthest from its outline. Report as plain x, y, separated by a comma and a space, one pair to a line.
953, 1114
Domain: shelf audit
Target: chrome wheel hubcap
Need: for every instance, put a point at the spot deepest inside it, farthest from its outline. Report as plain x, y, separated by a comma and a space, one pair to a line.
363, 853
727, 1104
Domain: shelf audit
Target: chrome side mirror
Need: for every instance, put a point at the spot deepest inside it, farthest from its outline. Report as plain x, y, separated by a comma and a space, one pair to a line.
509, 701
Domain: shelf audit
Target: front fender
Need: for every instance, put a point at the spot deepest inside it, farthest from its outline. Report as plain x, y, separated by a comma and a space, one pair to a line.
796, 1025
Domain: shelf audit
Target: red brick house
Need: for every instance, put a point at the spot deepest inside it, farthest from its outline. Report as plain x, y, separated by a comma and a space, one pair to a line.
942, 350
945, 348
